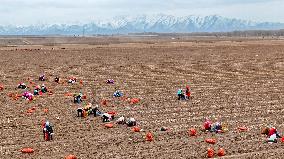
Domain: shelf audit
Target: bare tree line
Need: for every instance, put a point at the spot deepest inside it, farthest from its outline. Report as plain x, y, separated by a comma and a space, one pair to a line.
248, 33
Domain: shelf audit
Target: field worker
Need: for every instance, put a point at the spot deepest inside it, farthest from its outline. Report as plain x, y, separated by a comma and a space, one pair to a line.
30, 96
41, 77
120, 120
47, 131
272, 135
180, 94
164, 128
131, 122
110, 81
22, 85
72, 80
117, 94
207, 124
187, 92
36, 91
56, 79
217, 127
43, 88
106, 117
96, 111
78, 98
273, 131
27, 96
79, 112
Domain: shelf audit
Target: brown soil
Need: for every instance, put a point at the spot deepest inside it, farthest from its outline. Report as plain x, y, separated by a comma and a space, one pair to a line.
237, 82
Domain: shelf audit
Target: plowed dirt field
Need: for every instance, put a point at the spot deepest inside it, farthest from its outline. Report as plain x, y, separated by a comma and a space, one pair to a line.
237, 82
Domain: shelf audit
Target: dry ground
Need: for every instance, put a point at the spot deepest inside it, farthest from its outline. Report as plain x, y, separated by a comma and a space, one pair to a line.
235, 81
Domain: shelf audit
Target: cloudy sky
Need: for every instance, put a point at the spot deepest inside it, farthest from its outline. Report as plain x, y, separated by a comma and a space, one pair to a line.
26, 12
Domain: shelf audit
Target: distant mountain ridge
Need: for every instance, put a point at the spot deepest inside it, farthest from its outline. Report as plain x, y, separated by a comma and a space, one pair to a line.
160, 23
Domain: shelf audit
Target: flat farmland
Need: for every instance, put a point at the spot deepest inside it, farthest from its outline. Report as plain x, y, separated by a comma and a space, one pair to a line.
237, 81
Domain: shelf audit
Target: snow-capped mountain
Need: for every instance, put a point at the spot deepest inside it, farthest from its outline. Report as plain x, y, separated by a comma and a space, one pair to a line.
160, 23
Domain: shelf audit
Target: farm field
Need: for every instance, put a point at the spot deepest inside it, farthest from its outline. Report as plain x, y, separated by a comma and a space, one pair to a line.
237, 81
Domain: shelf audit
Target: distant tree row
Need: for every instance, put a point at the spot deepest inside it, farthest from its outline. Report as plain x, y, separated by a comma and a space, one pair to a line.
249, 33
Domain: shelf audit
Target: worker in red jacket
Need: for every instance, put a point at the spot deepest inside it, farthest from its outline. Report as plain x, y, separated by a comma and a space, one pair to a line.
207, 125
187, 92
273, 131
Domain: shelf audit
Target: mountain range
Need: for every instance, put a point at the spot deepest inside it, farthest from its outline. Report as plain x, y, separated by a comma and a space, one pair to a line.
159, 23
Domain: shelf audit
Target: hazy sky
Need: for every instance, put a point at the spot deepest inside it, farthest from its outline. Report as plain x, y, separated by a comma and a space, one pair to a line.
25, 12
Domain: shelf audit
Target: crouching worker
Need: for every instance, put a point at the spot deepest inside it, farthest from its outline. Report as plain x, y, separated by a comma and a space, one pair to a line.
107, 117
96, 111
110, 81
87, 110
117, 94
43, 88
120, 120
131, 122
37, 90
41, 77
47, 131
28, 96
181, 95
22, 85
72, 80
56, 79
216, 127
207, 125
271, 133
80, 112
78, 98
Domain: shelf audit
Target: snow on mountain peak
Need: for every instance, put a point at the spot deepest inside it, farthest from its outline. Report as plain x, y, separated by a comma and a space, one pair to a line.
145, 23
